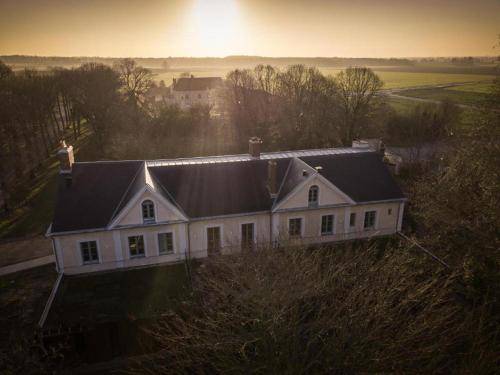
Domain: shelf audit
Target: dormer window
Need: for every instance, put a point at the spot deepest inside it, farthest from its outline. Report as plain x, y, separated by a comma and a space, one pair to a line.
148, 211
313, 196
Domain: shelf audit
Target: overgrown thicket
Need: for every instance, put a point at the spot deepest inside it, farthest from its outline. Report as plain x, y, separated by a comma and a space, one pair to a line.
342, 309
458, 205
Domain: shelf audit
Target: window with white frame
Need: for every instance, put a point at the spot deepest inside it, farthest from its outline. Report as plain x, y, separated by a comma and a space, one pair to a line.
165, 243
352, 219
89, 252
327, 224
136, 246
370, 217
313, 196
247, 236
213, 240
148, 211
295, 227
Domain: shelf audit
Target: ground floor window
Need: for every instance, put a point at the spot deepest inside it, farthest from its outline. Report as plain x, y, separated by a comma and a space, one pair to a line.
352, 219
247, 235
136, 246
370, 219
327, 225
166, 243
213, 240
295, 227
89, 252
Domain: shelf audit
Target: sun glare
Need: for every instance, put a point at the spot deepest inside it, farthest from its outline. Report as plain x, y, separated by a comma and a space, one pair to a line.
216, 26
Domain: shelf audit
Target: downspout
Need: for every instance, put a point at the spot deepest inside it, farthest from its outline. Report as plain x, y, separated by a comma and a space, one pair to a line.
271, 229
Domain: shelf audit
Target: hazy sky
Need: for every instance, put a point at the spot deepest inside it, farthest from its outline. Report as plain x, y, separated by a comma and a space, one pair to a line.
161, 28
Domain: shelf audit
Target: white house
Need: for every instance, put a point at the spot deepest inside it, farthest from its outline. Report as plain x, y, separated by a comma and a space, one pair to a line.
113, 214
189, 91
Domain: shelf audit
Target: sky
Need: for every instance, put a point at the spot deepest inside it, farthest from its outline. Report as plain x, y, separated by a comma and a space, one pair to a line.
308, 28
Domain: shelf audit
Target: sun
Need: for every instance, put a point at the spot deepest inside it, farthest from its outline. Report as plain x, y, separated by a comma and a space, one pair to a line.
216, 26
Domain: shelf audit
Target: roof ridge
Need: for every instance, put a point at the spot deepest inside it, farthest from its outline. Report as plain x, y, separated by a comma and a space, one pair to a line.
138, 173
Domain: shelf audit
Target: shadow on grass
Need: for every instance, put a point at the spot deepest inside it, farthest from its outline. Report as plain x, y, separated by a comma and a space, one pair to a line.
34, 214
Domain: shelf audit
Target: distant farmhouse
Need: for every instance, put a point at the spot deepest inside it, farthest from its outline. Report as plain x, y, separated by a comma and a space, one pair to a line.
188, 91
115, 214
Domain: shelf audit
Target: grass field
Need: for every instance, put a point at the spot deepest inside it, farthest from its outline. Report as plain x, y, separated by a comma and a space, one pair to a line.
22, 300
457, 94
34, 216
122, 295
391, 79
480, 87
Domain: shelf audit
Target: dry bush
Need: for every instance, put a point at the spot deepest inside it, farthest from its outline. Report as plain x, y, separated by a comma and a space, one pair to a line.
343, 309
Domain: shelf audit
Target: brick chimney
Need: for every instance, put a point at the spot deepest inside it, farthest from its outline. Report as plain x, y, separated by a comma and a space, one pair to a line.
254, 147
66, 158
272, 182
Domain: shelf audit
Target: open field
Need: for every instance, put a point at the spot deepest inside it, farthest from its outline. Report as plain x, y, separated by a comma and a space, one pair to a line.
457, 94
392, 79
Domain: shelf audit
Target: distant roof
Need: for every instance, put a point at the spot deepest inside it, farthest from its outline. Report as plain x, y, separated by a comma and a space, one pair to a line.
214, 186
158, 91
196, 83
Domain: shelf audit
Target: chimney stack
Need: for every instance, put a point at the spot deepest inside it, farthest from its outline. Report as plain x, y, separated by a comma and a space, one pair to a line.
272, 183
66, 158
254, 147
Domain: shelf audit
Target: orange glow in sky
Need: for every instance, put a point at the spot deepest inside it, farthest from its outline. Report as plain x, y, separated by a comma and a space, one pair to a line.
161, 28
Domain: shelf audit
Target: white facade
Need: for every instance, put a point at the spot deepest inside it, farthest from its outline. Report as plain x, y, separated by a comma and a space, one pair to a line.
189, 237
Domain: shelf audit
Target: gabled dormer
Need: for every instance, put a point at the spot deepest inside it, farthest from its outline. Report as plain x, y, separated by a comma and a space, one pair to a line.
305, 187
146, 203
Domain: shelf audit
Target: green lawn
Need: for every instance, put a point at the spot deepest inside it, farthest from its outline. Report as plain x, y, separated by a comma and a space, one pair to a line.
35, 214
134, 294
482, 87
22, 299
450, 93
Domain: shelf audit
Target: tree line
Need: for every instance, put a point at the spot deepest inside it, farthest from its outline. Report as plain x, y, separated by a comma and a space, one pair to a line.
291, 108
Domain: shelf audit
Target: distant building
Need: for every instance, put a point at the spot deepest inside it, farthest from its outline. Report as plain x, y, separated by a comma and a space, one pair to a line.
190, 91
115, 214
187, 92
158, 94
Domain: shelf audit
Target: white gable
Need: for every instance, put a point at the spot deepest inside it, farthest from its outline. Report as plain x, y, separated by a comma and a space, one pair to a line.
328, 194
131, 214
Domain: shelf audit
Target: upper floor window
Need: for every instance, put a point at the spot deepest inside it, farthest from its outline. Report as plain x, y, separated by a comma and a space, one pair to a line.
313, 195
148, 211
89, 252
370, 219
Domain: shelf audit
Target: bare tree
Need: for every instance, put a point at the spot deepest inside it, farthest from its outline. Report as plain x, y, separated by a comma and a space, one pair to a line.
357, 90
135, 79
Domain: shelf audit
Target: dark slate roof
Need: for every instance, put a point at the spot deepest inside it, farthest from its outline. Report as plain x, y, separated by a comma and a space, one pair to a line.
294, 176
95, 192
100, 190
197, 83
363, 176
220, 188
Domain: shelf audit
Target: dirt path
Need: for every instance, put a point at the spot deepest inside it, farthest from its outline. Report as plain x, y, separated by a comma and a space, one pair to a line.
27, 265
